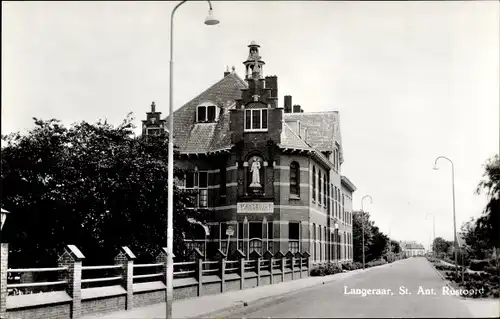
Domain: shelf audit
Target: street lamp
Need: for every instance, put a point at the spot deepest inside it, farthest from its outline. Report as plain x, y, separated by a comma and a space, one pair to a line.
363, 225
3, 217
454, 218
209, 20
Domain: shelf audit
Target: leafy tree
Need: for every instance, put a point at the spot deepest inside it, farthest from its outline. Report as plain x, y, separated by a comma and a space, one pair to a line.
489, 223
379, 245
476, 245
96, 186
395, 247
441, 246
359, 219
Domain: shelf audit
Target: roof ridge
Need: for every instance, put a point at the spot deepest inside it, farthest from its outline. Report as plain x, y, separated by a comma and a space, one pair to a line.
318, 112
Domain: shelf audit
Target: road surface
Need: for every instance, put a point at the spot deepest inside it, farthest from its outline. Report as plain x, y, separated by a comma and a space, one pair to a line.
408, 288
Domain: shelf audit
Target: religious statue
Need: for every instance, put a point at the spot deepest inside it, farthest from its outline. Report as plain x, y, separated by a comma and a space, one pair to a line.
255, 170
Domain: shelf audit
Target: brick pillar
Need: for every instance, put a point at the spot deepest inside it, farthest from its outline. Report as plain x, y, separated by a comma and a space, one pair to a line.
126, 258
299, 256
239, 255
279, 255
221, 257
163, 258
289, 255
72, 259
269, 256
4, 263
255, 255
307, 256
198, 256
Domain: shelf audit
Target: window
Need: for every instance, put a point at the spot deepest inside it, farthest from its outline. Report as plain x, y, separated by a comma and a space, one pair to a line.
324, 189
206, 113
256, 120
320, 187
314, 242
255, 230
198, 180
314, 182
152, 131
240, 237
294, 179
270, 235
293, 236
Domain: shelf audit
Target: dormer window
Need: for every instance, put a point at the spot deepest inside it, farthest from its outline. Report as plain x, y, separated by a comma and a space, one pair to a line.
206, 113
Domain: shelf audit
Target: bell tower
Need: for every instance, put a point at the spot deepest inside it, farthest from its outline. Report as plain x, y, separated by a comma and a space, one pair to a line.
253, 64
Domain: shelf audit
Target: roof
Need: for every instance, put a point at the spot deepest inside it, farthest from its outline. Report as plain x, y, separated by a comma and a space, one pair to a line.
414, 246
348, 183
289, 139
192, 137
323, 128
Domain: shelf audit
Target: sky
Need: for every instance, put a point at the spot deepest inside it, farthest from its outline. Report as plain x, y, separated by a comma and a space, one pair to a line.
412, 81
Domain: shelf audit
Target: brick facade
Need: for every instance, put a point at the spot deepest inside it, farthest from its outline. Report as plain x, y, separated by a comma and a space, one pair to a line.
287, 148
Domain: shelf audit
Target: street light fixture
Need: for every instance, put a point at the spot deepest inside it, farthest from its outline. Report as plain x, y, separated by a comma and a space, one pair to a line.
363, 225
3, 217
454, 215
210, 20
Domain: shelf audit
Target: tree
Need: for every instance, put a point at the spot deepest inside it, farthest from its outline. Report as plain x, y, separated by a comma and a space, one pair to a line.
441, 246
396, 248
489, 223
96, 186
359, 219
476, 245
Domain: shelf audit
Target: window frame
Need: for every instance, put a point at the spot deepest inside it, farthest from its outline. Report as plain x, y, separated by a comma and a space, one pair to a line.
251, 129
295, 168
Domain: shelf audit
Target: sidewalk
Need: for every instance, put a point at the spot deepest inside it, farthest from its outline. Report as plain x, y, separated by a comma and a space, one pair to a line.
207, 306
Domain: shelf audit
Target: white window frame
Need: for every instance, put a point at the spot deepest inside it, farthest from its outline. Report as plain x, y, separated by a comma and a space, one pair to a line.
205, 105
251, 120
196, 186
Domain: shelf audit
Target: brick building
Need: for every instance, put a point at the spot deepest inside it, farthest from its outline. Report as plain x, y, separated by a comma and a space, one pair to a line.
270, 172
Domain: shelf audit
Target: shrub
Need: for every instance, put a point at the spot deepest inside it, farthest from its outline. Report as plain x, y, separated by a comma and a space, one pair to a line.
479, 265
325, 270
374, 263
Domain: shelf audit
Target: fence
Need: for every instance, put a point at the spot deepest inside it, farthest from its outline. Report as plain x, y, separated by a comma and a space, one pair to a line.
76, 291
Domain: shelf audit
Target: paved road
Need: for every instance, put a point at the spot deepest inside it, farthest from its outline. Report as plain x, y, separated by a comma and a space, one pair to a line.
333, 299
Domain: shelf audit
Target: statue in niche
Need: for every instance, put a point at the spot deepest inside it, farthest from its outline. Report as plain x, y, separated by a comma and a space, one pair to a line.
255, 170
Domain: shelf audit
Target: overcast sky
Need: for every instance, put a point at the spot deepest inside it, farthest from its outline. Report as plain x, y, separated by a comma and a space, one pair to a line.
411, 80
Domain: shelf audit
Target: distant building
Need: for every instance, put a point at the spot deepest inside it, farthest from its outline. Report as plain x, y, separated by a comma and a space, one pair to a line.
272, 173
412, 249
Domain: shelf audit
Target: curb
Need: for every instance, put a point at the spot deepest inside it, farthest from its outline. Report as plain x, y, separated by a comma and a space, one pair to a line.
446, 281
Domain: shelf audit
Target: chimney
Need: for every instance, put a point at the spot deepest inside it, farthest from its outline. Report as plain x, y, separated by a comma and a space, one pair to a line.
296, 108
272, 83
153, 107
288, 104
227, 71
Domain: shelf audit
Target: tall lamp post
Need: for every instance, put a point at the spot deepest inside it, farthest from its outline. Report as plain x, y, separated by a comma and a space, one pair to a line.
454, 217
433, 229
363, 225
210, 20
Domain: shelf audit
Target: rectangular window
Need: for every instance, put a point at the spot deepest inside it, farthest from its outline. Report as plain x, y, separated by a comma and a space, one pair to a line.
240, 230
190, 179
270, 235
255, 230
202, 114
293, 236
248, 120
293, 230
211, 113
256, 120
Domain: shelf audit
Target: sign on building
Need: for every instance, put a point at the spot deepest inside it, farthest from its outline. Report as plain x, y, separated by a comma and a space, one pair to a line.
255, 207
